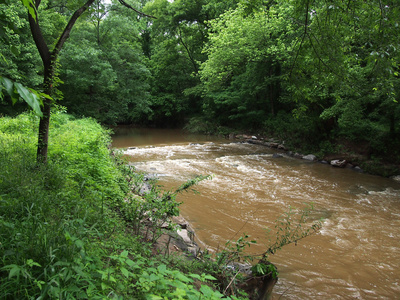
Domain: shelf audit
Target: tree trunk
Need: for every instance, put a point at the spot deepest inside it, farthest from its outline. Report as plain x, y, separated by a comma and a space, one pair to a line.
49, 58
45, 54
43, 136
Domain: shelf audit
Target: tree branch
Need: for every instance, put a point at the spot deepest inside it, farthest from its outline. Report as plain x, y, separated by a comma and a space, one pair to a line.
37, 3
64, 36
191, 58
37, 35
320, 58
302, 39
135, 10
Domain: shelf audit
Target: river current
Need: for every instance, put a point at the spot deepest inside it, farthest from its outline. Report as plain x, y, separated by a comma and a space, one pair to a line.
356, 254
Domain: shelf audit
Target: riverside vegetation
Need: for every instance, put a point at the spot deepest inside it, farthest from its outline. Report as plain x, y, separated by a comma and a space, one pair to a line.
312, 74
323, 76
73, 228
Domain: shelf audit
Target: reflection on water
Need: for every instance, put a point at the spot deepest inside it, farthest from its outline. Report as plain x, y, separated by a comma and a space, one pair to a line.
355, 256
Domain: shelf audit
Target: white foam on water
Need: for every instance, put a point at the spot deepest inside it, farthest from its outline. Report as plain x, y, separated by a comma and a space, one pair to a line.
353, 254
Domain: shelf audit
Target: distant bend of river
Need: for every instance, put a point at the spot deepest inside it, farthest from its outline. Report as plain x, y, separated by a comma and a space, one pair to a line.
356, 255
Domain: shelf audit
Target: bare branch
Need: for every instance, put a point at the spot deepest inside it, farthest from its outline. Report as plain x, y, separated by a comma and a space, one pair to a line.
135, 10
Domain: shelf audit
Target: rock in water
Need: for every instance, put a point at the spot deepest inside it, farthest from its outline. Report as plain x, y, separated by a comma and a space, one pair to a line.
183, 233
338, 163
310, 157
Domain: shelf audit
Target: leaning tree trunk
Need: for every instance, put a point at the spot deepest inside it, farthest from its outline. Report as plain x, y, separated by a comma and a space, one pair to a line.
49, 58
45, 54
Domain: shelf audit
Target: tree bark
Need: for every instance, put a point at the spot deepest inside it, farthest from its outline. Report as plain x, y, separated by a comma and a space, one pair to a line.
49, 59
43, 136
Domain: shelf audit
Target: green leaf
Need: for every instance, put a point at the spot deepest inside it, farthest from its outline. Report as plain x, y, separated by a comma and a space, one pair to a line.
79, 244
39, 284
45, 96
104, 286
195, 276
8, 85
29, 97
162, 268
79, 271
131, 263
31, 8
15, 271
153, 277
209, 277
206, 291
31, 263
125, 272
182, 277
14, 50
154, 297
180, 293
62, 263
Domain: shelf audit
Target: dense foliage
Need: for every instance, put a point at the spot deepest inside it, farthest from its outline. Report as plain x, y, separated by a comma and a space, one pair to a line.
314, 73
331, 65
66, 228
103, 70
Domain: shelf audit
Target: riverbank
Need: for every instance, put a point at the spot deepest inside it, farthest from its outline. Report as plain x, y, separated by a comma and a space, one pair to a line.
230, 266
252, 187
351, 156
71, 228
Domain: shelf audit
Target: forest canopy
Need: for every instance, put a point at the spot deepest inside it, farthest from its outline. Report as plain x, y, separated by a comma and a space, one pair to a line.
311, 72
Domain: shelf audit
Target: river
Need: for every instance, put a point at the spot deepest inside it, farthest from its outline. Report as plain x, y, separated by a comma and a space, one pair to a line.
356, 254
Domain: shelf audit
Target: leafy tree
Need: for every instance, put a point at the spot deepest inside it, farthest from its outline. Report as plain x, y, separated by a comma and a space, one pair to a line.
332, 64
49, 43
246, 54
49, 58
174, 45
16, 59
104, 72
307, 70
347, 52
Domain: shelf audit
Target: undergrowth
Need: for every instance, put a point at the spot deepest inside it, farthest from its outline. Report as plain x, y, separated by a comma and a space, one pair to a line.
66, 227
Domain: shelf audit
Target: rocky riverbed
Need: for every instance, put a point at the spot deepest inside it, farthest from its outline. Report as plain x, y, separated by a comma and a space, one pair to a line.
357, 162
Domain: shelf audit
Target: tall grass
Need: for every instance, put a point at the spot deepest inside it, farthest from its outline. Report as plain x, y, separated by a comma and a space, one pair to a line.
62, 234
48, 214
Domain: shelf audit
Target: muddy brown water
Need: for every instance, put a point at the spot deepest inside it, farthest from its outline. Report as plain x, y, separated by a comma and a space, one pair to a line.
356, 255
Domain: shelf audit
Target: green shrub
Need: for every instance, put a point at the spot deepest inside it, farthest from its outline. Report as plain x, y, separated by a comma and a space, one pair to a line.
49, 213
301, 133
66, 227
